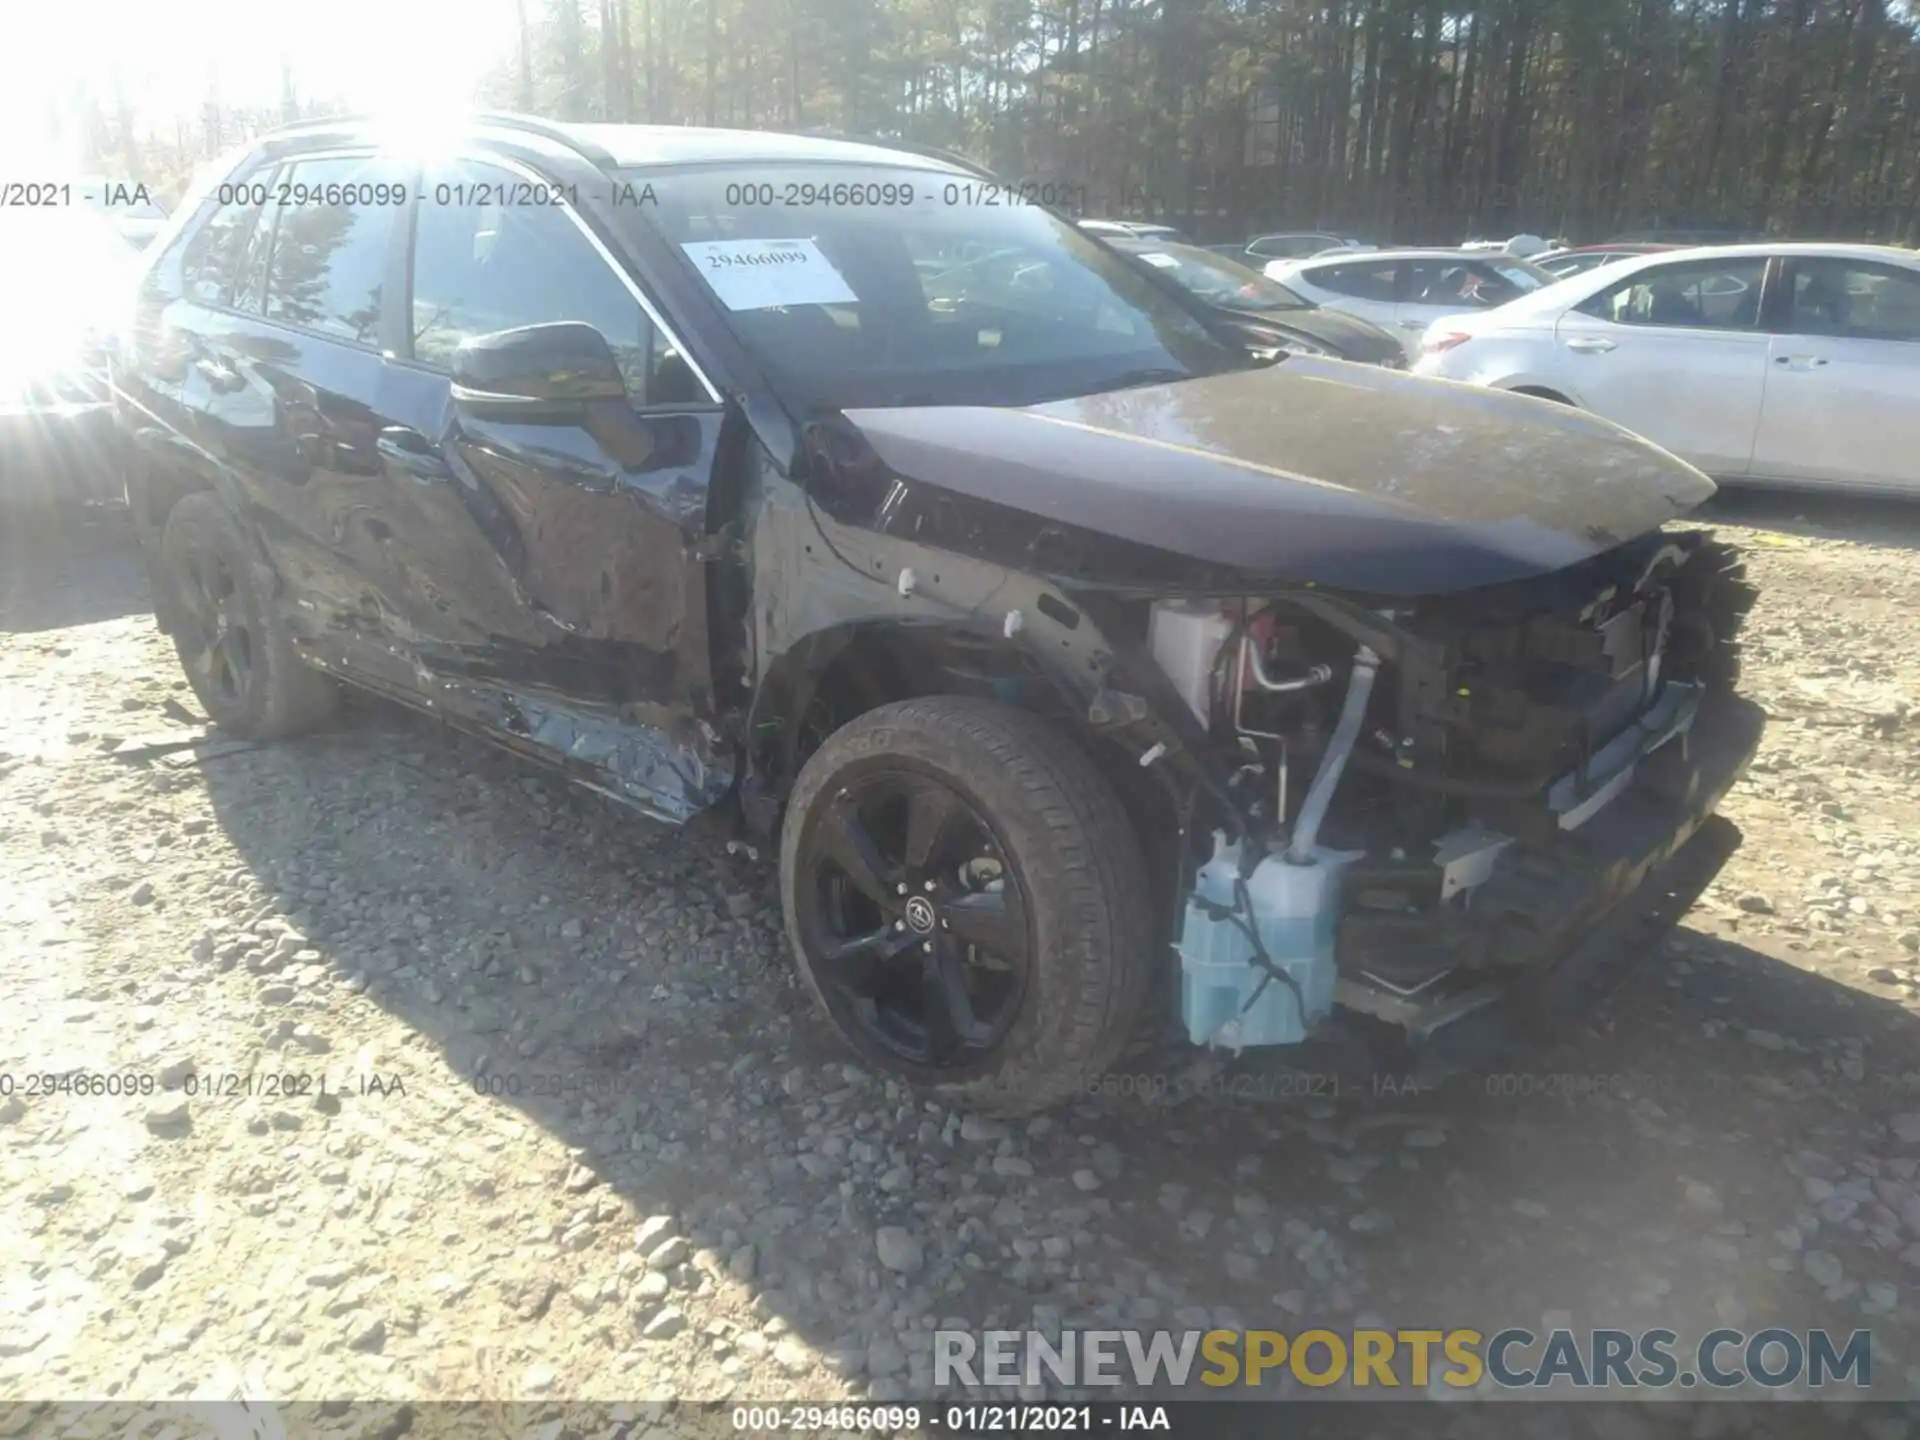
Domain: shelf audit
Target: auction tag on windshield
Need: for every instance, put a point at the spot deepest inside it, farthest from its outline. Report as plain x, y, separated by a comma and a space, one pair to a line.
759, 274
1164, 262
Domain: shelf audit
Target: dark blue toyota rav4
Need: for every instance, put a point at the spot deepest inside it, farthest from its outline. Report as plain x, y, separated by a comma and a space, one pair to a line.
1078, 667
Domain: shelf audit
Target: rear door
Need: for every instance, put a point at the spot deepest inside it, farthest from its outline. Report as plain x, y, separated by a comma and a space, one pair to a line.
1677, 352
1842, 399
547, 576
255, 360
164, 374
299, 418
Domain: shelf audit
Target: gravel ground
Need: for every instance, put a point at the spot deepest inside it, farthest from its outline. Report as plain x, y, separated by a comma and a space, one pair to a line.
682, 1188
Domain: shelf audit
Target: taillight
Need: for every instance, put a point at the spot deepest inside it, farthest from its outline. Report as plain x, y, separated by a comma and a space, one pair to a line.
1440, 344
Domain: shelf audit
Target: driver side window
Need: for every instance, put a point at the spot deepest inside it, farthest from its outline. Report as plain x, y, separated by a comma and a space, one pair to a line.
1854, 300
1695, 295
484, 266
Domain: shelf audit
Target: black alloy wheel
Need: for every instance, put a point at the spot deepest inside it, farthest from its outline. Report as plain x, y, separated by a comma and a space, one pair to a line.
966, 900
915, 917
214, 628
216, 599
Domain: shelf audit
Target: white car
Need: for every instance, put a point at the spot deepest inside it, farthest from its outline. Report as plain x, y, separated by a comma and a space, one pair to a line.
1407, 290
1132, 230
1795, 364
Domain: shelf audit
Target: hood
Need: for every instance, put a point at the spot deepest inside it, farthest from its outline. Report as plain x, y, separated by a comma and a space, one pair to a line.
1351, 336
1309, 471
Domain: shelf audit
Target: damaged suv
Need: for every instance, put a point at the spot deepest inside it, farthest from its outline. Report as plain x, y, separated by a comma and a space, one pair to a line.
1073, 663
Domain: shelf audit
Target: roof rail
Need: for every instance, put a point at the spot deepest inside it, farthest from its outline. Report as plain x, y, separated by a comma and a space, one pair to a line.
938, 152
952, 157
319, 122
274, 139
552, 130
490, 119
928, 152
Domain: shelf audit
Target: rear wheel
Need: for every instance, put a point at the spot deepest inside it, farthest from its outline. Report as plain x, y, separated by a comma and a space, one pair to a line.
966, 900
215, 596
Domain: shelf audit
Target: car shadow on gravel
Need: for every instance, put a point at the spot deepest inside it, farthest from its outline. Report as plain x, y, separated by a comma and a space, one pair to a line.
62, 568
626, 990
1891, 521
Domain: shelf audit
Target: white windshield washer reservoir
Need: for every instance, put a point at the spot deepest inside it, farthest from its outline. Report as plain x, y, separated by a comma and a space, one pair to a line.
1227, 997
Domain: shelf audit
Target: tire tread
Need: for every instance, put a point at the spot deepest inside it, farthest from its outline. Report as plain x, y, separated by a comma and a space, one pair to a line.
1101, 897
291, 696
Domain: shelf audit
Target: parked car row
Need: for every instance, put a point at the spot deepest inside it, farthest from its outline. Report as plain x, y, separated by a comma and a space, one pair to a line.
1405, 291
1264, 313
1783, 363
1256, 251
1578, 259
1792, 364
1131, 229
1289, 245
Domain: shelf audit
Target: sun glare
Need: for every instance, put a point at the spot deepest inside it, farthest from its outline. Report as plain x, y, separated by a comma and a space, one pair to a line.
173, 63
419, 129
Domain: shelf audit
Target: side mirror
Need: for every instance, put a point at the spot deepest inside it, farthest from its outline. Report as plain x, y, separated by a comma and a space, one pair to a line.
538, 374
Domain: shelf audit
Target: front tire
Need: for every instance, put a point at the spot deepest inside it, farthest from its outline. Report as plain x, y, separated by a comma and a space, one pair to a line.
216, 599
966, 900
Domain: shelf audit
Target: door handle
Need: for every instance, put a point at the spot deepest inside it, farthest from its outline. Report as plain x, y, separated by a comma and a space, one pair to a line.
1413, 324
412, 452
1591, 345
1809, 362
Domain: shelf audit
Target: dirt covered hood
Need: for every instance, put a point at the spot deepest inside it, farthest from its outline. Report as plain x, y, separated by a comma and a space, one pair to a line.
1310, 471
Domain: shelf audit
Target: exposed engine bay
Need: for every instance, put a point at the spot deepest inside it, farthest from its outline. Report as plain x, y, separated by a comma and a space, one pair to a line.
1437, 796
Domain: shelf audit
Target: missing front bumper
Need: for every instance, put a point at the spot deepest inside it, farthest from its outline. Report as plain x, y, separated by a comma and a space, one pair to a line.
1550, 909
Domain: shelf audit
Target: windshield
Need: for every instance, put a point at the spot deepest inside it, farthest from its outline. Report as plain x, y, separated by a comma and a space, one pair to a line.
864, 285
1562, 266
1519, 274
1216, 279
